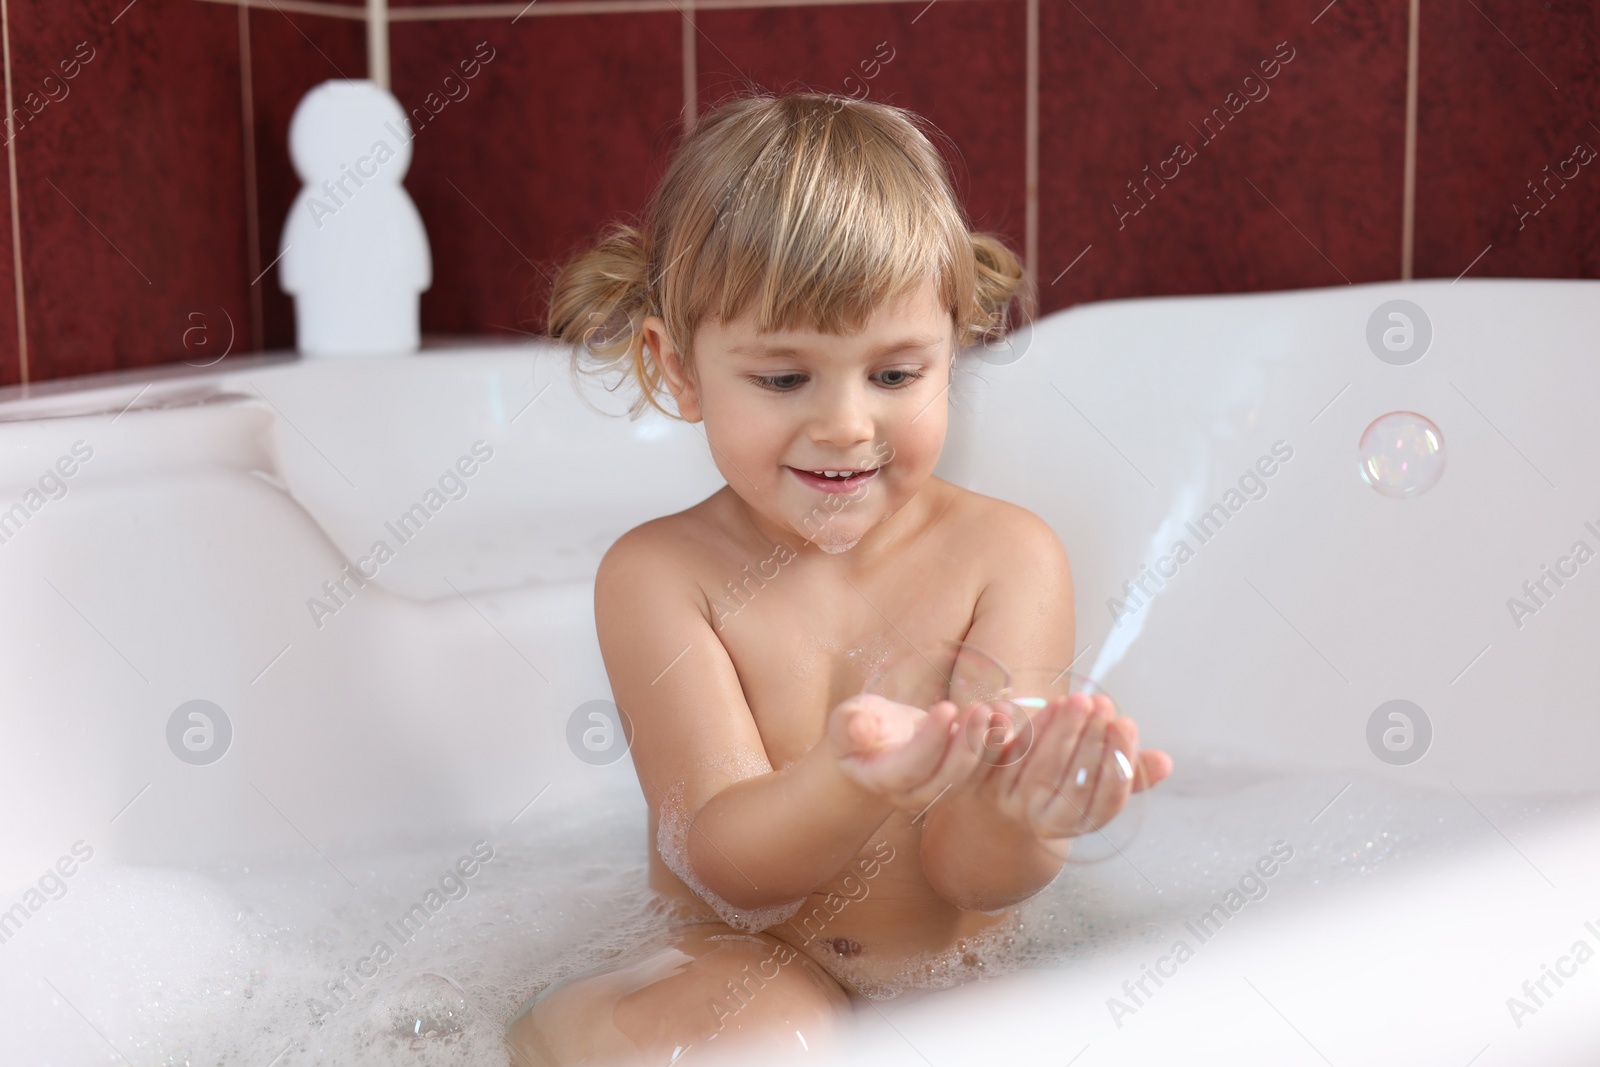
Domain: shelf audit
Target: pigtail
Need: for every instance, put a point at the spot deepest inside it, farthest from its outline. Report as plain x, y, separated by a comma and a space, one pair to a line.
597, 307
1000, 279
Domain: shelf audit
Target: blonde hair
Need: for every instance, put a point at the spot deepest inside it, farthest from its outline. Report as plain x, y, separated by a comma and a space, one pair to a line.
812, 208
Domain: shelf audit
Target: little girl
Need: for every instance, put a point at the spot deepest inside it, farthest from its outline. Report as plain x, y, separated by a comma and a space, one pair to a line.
801, 290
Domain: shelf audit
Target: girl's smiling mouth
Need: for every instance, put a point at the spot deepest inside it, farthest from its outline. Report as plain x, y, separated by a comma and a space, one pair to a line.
830, 480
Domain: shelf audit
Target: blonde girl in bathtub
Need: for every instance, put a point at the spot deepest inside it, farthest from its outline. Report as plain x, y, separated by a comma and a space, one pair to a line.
801, 288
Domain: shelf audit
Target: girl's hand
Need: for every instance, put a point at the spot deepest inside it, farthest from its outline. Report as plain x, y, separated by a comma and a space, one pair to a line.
902, 753
1070, 780
1005, 833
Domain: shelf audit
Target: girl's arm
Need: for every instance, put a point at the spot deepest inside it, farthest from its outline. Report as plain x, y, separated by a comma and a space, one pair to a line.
757, 837
972, 854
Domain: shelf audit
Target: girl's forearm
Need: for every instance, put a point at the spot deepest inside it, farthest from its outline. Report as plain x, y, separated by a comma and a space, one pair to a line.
776, 837
980, 862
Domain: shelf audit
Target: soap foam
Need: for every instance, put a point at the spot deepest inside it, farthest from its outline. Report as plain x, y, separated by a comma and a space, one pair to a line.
672, 840
834, 549
998, 950
830, 539
190, 968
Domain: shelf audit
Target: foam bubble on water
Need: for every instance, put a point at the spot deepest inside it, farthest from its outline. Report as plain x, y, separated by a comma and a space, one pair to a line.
429, 1008
192, 969
672, 839
998, 950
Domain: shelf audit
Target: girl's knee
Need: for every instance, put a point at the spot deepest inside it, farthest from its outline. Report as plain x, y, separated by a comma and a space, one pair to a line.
711, 988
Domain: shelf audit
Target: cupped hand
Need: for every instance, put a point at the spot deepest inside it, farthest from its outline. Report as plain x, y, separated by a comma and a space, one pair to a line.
905, 754
1058, 771
1081, 766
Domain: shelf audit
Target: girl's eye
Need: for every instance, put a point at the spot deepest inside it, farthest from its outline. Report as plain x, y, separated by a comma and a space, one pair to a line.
896, 379
781, 383
892, 378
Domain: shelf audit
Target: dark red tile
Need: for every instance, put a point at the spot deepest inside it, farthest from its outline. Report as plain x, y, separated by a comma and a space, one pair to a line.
291, 55
517, 11
1301, 187
131, 186
568, 125
1508, 90
959, 64
10, 348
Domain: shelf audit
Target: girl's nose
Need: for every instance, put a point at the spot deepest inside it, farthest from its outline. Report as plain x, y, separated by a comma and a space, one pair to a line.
843, 418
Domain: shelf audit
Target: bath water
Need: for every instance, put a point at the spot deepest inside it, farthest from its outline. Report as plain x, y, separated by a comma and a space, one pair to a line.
237, 963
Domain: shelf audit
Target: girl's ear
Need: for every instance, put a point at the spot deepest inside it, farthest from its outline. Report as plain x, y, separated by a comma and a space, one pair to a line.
659, 348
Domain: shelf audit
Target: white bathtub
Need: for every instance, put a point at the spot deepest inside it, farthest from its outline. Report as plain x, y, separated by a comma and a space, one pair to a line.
432, 705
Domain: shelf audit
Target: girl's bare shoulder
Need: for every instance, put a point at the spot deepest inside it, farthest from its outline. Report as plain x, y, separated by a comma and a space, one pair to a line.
683, 544
1001, 530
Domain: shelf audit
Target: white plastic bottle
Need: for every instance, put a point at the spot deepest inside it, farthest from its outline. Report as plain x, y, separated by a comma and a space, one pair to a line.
354, 251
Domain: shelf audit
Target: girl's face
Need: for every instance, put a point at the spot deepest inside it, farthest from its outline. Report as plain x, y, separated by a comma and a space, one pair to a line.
783, 409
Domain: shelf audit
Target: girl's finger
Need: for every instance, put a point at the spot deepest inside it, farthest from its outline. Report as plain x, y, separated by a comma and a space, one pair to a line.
976, 731
1072, 797
961, 755
877, 723
1115, 782
913, 762
1153, 765
1055, 739
1006, 768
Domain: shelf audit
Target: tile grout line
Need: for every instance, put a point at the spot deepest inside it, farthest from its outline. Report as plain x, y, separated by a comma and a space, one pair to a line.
1408, 189
468, 11
16, 215
691, 70
378, 42
252, 206
301, 7
1030, 224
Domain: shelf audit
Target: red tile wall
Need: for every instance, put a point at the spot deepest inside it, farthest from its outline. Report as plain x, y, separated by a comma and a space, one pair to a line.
137, 247
568, 124
130, 186
958, 64
1508, 89
1295, 182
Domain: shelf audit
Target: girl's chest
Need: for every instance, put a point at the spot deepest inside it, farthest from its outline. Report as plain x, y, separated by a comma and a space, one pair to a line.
800, 649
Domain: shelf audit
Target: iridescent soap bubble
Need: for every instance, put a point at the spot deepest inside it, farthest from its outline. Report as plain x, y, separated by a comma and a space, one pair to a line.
1402, 454
945, 670
1032, 688
966, 675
